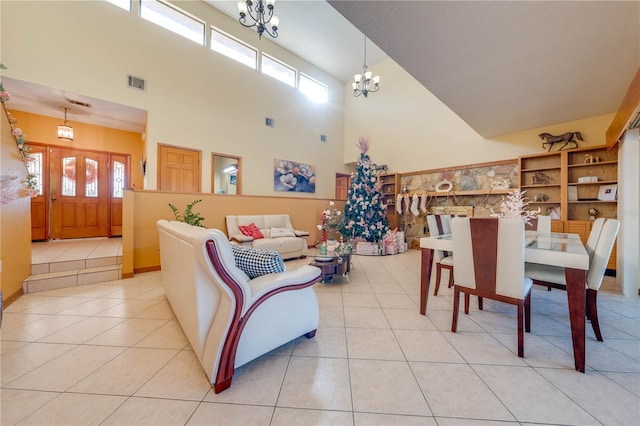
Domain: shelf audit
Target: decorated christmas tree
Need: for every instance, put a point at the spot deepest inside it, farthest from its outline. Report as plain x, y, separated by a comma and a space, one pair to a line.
365, 215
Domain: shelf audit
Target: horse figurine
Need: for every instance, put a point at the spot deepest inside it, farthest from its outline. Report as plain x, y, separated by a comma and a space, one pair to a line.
567, 138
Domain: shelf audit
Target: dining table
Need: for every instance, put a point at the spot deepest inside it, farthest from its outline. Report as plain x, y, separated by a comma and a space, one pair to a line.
555, 249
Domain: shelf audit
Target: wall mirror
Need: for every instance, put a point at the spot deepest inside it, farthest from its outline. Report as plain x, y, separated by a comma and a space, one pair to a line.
226, 174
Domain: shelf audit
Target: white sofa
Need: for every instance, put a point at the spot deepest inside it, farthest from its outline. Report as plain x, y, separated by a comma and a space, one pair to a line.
288, 246
228, 318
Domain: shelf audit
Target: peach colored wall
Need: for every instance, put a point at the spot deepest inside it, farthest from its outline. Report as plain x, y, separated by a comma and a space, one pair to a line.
42, 129
15, 219
142, 209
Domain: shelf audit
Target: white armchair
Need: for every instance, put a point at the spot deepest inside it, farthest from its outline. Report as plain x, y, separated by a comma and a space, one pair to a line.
228, 318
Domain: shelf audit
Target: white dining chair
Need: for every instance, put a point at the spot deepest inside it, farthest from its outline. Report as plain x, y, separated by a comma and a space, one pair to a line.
441, 225
592, 241
541, 224
599, 247
594, 235
489, 263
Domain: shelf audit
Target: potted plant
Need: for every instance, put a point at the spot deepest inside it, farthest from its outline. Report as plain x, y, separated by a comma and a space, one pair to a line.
188, 216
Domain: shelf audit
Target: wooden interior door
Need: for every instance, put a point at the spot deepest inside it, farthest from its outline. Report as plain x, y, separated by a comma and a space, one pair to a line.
79, 194
179, 169
342, 186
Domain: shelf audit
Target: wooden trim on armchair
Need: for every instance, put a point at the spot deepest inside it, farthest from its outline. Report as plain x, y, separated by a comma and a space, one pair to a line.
226, 366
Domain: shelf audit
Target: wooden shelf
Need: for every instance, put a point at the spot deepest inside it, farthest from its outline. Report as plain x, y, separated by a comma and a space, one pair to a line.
540, 169
541, 185
461, 193
600, 182
593, 202
600, 163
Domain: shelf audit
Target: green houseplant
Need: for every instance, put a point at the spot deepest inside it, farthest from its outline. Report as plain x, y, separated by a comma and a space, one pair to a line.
188, 216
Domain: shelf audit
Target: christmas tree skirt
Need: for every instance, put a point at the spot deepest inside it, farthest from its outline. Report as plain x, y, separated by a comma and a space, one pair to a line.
372, 249
367, 249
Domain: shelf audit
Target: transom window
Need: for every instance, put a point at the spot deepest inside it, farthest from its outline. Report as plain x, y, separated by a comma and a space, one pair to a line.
278, 70
234, 49
124, 4
173, 19
315, 90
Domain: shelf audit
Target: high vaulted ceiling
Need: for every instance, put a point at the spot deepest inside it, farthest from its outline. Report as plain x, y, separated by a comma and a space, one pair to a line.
505, 66
502, 66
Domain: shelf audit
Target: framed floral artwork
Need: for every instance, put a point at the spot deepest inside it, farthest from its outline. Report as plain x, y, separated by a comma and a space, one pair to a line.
291, 176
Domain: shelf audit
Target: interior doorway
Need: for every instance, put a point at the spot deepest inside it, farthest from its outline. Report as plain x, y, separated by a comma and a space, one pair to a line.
226, 174
343, 182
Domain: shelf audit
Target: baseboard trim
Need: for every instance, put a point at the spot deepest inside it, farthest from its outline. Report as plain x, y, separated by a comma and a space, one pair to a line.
146, 269
12, 298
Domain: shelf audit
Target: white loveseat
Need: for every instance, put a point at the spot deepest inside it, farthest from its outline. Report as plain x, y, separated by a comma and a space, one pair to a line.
290, 245
228, 318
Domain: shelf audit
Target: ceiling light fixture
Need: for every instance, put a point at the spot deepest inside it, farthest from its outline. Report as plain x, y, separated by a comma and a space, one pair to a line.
65, 131
231, 168
262, 16
362, 84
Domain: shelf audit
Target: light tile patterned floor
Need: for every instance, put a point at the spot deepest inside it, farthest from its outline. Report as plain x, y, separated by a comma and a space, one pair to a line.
113, 354
75, 249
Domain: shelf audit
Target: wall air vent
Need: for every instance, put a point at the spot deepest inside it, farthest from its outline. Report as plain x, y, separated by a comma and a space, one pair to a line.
79, 103
137, 82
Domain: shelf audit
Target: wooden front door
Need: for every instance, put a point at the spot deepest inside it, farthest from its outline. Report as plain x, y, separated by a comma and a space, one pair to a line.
79, 193
178, 169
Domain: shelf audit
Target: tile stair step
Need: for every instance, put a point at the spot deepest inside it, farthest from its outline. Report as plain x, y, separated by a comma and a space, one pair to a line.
71, 278
73, 265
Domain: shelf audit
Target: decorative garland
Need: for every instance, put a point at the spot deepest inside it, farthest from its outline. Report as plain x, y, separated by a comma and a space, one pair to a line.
9, 187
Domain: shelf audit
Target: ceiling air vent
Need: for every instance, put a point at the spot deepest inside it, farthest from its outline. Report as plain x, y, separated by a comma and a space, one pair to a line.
137, 82
79, 103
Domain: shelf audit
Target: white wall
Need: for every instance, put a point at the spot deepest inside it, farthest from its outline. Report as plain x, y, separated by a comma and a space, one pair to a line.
411, 130
629, 213
195, 97
200, 99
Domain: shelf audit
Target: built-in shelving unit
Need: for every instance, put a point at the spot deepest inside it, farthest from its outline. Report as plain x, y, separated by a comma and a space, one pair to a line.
574, 183
388, 184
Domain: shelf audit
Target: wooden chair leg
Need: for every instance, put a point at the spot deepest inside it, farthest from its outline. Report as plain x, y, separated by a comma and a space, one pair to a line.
438, 276
480, 303
450, 277
456, 307
592, 312
466, 303
527, 313
521, 329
